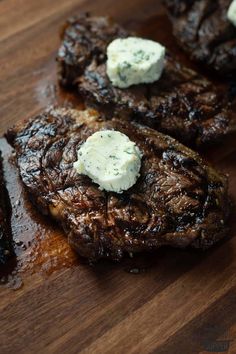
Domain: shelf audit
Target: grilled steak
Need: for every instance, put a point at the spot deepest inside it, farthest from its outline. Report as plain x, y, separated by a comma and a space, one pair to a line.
178, 200
5, 222
182, 103
203, 30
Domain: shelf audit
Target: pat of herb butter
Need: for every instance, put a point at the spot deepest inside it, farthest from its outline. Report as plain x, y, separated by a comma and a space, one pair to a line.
110, 159
133, 60
232, 13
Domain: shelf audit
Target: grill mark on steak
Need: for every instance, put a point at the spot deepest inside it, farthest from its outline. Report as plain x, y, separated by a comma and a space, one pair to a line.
178, 200
89, 38
6, 250
182, 103
211, 38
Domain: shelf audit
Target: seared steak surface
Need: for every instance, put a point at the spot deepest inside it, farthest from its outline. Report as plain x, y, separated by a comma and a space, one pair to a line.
5, 220
203, 30
182, 103
178, 200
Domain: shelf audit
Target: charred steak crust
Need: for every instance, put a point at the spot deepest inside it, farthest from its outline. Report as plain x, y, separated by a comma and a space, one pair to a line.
203, 30
182, 103
85, 40
178, 200
5, 220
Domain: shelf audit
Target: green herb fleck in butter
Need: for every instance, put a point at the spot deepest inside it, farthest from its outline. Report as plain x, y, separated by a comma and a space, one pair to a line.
133, 60
110, 159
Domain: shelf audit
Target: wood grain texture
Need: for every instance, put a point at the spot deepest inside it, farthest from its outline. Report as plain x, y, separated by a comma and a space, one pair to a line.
169, 301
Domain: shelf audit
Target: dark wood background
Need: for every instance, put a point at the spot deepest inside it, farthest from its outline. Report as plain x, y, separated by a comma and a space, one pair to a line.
170, 301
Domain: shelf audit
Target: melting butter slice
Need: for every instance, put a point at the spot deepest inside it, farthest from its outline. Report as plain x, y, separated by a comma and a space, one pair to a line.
110, 159
232, 13
133, 60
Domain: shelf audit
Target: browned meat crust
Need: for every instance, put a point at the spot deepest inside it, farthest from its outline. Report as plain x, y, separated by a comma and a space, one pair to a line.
182, 103
178, 200
5, 220
203, 30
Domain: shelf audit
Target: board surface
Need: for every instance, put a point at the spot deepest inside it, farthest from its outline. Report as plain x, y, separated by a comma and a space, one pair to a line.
170, 301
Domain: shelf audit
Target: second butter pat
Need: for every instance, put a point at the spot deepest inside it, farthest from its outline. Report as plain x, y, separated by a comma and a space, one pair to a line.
133, 60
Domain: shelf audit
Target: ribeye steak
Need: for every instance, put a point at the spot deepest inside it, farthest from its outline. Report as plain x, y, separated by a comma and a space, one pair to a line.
203, 30
182, 104
178, 199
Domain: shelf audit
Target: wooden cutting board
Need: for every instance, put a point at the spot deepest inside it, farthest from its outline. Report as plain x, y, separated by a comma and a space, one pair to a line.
170, 301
